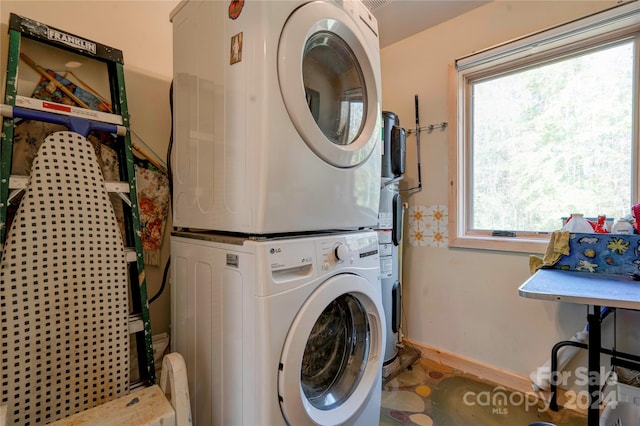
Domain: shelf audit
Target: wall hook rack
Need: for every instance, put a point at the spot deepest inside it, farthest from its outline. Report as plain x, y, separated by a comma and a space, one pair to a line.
430, 127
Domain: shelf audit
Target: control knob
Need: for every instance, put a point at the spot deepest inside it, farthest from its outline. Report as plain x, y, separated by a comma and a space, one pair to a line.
341, 252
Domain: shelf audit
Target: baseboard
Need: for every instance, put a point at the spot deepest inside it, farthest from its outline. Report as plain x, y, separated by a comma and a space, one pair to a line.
505, 378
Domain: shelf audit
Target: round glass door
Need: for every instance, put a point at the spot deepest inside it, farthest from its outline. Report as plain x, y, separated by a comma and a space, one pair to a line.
334, 87
336, 353
329, 75
332, 357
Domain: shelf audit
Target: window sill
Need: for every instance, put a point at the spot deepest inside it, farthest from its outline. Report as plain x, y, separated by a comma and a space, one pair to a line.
534, 244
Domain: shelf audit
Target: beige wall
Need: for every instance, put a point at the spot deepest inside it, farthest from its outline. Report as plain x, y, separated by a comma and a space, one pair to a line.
141, 29
466, 301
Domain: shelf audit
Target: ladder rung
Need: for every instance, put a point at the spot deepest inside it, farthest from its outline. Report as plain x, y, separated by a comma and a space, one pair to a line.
20, 182
119, 187
136, 324
17, 182
130, 254
57, 108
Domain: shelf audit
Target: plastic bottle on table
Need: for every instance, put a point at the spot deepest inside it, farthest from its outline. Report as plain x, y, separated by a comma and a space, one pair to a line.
577, 223
622, 226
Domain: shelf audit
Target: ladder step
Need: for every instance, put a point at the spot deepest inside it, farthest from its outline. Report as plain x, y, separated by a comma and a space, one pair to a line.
17, 182
136, 324
54, 107
130, 254
20, 182
119, 187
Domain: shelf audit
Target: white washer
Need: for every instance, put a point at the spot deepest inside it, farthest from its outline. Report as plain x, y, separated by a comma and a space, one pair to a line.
277, 117
279, 331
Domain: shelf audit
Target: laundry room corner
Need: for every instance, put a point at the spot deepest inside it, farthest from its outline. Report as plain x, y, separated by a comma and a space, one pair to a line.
143, 32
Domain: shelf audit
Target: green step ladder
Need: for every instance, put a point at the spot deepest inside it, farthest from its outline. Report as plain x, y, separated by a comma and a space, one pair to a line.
17, 106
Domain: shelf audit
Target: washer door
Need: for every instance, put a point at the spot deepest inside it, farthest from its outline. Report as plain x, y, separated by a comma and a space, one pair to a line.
328, 84
332, 355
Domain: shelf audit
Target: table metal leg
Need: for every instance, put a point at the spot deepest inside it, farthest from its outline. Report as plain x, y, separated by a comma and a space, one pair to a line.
553, 401
593, 318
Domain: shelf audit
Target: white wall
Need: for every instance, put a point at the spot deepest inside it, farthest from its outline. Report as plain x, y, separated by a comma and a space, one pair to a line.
466, 301
141, 29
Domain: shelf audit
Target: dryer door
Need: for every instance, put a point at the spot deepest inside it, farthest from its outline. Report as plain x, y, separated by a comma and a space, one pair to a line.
333, 353
328, 78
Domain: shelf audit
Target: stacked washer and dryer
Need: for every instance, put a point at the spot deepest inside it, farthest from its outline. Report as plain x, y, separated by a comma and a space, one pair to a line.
276, 159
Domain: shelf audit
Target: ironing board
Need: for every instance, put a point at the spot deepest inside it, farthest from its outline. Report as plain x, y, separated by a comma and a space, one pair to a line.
64, 298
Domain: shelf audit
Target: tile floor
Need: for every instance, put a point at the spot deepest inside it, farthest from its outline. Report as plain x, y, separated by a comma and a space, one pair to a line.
432, 394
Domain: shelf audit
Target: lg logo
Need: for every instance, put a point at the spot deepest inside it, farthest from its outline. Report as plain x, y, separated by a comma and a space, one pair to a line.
275, 250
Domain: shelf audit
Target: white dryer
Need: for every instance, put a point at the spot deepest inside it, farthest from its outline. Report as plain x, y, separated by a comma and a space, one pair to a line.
277, 116
279, 331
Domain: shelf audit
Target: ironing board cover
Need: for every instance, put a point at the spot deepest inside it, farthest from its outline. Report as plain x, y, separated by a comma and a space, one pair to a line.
63, 290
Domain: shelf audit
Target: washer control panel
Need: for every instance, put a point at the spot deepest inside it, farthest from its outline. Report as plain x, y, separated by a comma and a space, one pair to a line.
292, 260
325, 252
348, 250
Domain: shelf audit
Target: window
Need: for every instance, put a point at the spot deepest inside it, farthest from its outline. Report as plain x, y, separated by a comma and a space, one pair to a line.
544, 127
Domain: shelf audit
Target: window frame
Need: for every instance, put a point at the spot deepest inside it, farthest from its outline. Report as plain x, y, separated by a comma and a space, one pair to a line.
592, 32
